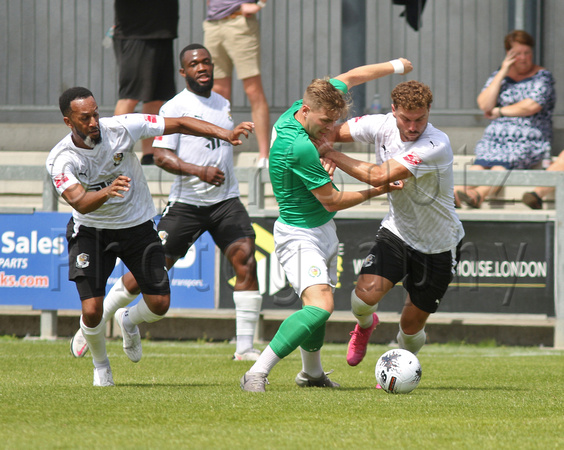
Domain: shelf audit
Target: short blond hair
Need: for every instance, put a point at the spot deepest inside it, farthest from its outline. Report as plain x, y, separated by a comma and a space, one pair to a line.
321, 94
412, 95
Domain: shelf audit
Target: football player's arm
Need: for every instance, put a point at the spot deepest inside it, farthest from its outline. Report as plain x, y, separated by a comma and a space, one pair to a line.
168, 160
367, 172
87, 201
362, 74
340, 133
196, 127
334, 200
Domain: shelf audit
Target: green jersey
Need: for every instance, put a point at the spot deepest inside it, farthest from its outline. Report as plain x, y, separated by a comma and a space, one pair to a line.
295, 170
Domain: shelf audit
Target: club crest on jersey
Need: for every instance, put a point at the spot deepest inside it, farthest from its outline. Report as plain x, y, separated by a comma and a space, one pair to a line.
82, 261
118, 158
314, 272
413, 159
368, 261
163, 236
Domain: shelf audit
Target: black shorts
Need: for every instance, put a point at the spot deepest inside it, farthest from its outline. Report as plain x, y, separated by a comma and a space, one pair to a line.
93, 253
182, 224
427, 276
146, 69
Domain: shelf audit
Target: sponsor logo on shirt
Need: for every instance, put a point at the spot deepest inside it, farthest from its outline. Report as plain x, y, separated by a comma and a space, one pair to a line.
413, 159
214, 143
60, 179
159, 138
150, 118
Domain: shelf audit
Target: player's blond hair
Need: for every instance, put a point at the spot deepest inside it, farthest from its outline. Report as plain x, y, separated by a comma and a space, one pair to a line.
320, 94
412, 95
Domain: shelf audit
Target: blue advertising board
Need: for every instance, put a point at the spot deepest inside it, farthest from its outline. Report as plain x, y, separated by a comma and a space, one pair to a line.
34, 266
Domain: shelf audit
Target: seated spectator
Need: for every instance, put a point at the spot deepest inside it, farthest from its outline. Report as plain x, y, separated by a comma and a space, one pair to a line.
519, 98
534, 198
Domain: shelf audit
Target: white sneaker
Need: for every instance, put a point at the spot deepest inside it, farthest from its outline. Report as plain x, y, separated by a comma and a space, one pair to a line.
305, 380
254, 382
262, 163
78, 345
131, 341
250, 355
103, 376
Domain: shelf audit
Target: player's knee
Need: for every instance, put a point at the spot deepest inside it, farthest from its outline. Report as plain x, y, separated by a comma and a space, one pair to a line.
91, 316
367, 295
130, 283
371, 289
246, 279
158, 304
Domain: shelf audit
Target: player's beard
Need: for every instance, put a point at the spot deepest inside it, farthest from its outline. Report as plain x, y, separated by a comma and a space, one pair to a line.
200, 89
88, 141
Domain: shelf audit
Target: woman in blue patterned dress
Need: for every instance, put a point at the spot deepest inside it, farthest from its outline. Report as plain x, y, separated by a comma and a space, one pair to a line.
519, 99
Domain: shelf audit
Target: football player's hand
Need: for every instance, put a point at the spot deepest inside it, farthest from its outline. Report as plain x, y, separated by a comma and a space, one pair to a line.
244, 128
324, 144
119, 185
329, 166
212, 175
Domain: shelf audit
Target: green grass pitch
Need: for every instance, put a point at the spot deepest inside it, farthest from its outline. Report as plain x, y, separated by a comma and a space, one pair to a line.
187, 395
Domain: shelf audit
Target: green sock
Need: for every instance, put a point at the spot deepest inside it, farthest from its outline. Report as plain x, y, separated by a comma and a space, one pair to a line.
297, 328
315, 340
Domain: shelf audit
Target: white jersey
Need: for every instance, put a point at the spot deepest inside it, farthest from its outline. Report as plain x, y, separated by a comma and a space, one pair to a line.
97, 168
422, 214
200, 151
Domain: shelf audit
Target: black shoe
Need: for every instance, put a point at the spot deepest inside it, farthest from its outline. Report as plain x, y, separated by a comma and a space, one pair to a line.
147, 160
532, 200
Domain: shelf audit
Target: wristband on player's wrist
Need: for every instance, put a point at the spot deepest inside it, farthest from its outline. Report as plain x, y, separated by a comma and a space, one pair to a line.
398, 66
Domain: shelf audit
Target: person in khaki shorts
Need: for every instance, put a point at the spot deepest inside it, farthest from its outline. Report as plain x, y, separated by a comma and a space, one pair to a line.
231, 34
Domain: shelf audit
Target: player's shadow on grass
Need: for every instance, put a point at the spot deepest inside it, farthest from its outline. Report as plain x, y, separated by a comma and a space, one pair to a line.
439, 388
165, 385
470, 388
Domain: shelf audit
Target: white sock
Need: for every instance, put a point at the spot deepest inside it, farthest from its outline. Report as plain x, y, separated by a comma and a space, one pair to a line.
311, 363
362, 311
118, 297
140, 313
244, 343
96, 343
412, 342
267, 360
247, 312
